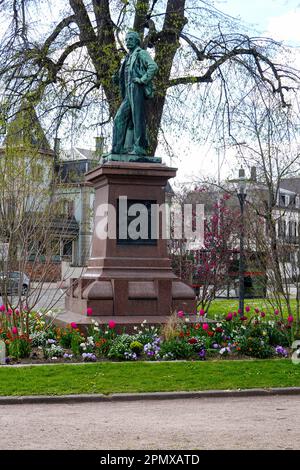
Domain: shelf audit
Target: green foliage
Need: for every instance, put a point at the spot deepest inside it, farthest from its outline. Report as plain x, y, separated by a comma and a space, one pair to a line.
102, 346
120, 345
19, 347
179, 349
76, 340
136, 347
66, 338
146, 334
255, 347
40, 337
279, 336
53, 350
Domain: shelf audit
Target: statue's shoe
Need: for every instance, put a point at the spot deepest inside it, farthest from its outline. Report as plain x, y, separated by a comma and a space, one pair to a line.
138, 151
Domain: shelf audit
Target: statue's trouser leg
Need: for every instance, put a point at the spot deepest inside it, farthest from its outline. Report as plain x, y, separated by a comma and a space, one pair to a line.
137, 102
121, 121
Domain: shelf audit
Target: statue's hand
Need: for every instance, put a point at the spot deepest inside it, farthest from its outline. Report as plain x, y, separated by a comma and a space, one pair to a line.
137, 80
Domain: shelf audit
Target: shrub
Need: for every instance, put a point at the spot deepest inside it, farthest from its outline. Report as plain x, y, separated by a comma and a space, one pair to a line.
255, 347
66, 337
179, 349
54, 350
76, 340
136, 347
120, 346
102, 347
39, 338
146, 334
19, 347
278, 336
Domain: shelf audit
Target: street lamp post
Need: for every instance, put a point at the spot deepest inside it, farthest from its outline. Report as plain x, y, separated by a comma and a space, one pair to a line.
242, 198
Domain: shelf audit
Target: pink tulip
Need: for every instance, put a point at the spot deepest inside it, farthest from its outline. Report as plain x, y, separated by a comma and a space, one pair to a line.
228, 317
73, 325
276, 312
262, 314
256, 310
111, 324
290, 319
239, 311
234, 314
205, 326
180, 314
14, 330
247, 308
2, 308
17, 312
202, 312
89, 311
9, 311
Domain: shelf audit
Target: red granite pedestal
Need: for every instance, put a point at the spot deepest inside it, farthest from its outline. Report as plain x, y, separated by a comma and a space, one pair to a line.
128, 282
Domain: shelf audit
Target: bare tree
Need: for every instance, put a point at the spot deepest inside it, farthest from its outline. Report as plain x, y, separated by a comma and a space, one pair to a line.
33, 227
69, 66
270, 144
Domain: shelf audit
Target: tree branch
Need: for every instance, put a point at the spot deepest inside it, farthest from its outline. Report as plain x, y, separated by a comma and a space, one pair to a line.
140, 19
57, 30
189, 80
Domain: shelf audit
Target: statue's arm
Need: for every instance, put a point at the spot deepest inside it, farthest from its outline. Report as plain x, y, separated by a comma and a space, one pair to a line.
151, 68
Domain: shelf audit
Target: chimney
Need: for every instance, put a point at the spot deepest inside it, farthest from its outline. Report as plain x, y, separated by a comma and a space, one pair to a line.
56, 147
99, 146
253, 174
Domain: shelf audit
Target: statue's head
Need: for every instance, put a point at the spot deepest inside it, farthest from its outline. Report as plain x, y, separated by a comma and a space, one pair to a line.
132, 40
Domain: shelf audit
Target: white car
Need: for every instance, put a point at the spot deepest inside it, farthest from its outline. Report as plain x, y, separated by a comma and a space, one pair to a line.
12, 281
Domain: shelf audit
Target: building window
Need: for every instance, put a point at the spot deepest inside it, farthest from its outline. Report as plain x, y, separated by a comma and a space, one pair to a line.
37, 172
281, 228
292, 231
70, 208
284, 200
67, 249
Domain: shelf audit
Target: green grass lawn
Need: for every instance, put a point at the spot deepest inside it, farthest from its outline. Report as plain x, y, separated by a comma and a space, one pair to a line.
223, 306
110, 377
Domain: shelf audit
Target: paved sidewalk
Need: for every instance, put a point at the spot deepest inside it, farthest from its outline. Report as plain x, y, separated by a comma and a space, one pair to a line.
267, 422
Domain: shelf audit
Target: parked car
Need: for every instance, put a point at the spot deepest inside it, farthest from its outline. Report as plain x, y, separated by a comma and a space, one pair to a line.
10, 282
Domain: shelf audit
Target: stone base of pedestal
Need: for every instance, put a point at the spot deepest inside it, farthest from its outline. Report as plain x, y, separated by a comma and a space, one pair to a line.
129, 278
124, 297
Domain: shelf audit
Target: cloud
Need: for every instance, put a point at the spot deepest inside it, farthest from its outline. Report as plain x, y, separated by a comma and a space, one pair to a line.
285, 27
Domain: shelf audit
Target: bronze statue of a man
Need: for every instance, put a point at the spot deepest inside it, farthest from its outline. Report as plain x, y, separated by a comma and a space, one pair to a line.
135, 81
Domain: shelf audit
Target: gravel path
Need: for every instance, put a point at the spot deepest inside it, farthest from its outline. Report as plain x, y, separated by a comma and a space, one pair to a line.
205, 423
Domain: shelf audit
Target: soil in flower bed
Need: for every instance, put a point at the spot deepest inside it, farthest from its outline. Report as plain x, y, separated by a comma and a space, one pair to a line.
37, 357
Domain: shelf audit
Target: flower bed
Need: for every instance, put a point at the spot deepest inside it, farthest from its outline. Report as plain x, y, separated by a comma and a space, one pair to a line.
234, 337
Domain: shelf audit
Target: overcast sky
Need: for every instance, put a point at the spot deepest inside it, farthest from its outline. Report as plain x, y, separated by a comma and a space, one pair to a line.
279, 19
